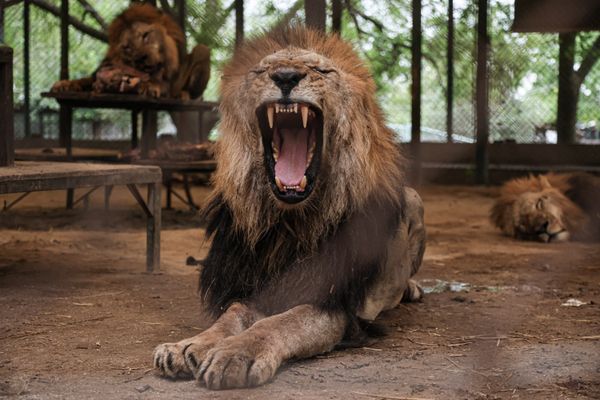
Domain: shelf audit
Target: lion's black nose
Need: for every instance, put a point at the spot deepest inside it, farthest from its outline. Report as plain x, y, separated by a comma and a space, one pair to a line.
286, 79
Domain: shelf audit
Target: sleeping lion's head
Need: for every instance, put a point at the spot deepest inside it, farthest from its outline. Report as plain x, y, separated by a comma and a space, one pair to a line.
302, 137
146, 39
533, 209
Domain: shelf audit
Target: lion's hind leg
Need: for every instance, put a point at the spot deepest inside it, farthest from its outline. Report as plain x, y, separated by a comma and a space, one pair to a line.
417, 238
182, 359
413, 292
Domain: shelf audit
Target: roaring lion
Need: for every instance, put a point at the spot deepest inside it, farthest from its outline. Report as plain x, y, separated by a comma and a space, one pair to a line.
146, 55
550, 208
313, 231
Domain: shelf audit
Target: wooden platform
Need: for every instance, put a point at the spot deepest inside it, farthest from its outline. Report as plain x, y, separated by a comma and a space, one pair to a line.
148, 106
207, 166
25, 177
60, 154
128, 101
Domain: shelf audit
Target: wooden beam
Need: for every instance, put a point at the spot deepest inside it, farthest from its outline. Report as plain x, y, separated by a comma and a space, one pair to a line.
181, 16
77, 24
315, 12
1, 22
153, 228
450, 73
336, 16
416, 64
481, 95
239, 22
65, 117
556, 16
26, 68
64, 39
7, 137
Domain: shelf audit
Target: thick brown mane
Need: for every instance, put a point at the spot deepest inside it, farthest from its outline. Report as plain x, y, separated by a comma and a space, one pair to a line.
143, 12
362, 163
563, 190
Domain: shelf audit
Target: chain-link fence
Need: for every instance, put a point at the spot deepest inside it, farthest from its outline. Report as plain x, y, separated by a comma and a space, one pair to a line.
523, 82
523, 72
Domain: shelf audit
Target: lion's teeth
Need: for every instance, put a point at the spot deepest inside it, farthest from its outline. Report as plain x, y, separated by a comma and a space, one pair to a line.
270, 116
303, 182
296, 108
275, 151
304, 110
277, 109
279, 184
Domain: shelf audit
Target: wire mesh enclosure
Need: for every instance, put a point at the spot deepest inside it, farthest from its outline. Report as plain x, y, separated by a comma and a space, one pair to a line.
522, 84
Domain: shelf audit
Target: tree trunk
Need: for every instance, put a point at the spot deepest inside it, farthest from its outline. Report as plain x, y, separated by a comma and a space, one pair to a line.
569, 85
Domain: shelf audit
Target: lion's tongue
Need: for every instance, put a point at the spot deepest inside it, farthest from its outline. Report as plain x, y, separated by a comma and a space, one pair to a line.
291, 163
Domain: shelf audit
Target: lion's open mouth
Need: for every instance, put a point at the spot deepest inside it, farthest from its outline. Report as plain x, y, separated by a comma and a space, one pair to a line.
292, 135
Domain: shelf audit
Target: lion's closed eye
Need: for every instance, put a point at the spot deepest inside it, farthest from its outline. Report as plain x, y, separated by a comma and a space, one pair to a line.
323, 70
540, 204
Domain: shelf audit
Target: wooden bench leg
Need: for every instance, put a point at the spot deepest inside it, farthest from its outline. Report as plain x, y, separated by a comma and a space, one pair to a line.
188, 193
107, 193
168, 182
153, 227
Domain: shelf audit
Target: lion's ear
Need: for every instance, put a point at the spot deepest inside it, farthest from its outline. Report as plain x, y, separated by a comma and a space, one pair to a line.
545, 182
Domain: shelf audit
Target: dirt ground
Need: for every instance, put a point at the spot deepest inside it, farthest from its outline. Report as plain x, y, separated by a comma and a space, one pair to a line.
79, 318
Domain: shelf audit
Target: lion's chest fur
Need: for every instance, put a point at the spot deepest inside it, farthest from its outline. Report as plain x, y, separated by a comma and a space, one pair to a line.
276, 275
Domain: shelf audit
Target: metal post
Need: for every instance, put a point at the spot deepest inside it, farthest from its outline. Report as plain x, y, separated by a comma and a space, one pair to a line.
483, 126
416, 61
450, 73
239, 22
315, 12
336, 16
26, 68
7, 151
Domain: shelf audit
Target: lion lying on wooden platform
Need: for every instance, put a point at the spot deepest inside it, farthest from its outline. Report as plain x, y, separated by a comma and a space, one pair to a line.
146, 56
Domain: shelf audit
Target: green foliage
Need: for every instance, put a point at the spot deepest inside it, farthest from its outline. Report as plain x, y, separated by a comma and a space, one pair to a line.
523, 67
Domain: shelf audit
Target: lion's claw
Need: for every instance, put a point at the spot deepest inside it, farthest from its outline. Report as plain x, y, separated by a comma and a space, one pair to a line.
234, 364
169, 360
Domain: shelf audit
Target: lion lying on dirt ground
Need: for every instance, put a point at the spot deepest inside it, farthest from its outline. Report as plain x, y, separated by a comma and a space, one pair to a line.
313, 232
147, 56
550, 208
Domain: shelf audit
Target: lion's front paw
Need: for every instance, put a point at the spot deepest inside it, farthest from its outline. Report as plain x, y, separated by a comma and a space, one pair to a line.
169, 360
236, 363
150, 89
66, 86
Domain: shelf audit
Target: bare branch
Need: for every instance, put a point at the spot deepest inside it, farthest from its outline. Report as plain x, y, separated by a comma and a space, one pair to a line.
92, 11
589, 60
77, 24
291, 13
355, 11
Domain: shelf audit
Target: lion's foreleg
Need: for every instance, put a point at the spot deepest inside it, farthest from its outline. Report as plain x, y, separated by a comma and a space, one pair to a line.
253, 357
179, 359
74, 85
